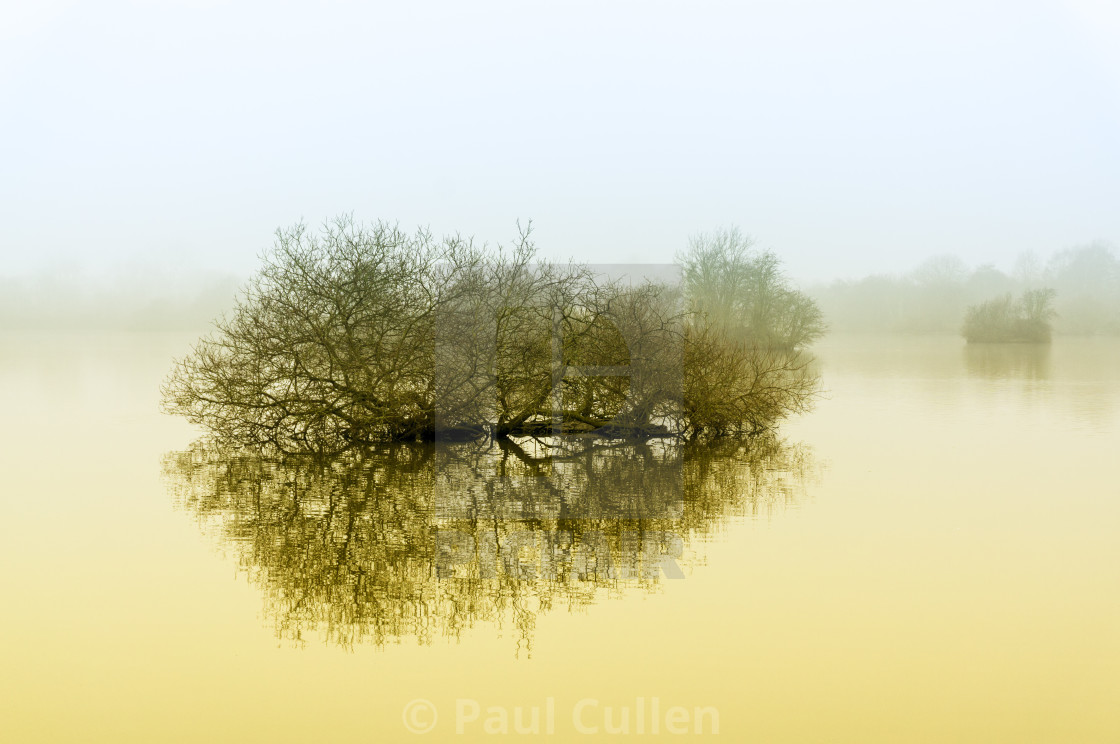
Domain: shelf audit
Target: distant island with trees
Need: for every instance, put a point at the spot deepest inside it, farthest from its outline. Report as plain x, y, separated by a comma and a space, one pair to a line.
937, 296
1009, 320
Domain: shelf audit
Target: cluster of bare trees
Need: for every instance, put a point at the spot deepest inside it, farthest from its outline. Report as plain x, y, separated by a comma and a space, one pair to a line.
367, 333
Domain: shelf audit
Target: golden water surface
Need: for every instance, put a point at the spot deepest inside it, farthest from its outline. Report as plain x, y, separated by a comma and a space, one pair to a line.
931, 555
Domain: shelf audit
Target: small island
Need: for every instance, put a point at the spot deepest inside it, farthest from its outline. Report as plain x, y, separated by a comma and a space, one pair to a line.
1009, 320
365, 334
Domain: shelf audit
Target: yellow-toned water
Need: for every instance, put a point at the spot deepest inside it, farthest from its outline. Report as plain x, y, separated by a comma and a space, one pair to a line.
931, 555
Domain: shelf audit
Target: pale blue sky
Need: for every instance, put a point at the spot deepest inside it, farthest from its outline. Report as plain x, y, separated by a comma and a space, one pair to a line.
849, 137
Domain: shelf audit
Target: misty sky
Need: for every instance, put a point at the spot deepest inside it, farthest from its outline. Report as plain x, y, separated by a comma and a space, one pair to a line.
850, 137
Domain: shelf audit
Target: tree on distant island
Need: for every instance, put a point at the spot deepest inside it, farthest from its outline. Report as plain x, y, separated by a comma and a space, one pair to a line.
1009, 320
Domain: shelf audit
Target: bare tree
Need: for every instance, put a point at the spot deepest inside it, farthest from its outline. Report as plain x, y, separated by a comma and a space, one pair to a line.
330, 343
743, 291
745, 367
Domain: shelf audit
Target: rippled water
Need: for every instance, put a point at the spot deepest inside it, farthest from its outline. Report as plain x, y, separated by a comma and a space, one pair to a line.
931, 555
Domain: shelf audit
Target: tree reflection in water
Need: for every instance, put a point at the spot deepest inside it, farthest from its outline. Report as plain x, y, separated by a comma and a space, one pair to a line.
423, 541
1008, 361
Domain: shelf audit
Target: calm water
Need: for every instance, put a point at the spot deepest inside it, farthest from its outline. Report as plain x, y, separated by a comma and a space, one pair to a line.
931, 555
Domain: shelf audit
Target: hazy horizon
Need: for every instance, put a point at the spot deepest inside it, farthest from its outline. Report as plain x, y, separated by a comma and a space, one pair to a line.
177, 269
929, 295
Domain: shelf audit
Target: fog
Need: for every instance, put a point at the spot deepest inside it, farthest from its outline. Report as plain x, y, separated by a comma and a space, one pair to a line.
850, 139
930, 297
137, 299
933, 296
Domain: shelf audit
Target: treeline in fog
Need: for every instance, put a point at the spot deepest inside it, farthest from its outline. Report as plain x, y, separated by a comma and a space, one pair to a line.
137, 300
936, 296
